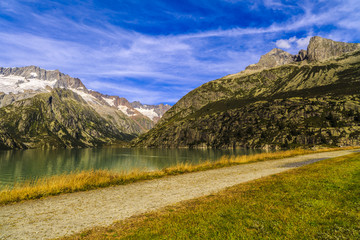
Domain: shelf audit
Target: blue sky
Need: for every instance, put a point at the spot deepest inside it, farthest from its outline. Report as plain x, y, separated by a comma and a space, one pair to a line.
157, 51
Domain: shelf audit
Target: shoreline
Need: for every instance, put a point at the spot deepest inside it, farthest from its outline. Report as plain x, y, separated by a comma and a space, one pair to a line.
90, 180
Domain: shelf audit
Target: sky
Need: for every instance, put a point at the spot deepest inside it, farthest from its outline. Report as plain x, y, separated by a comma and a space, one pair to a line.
156, 51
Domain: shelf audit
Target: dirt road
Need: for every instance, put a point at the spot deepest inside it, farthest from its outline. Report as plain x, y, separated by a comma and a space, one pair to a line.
66, 214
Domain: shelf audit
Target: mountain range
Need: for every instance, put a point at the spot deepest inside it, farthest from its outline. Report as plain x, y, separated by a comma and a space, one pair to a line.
308, 99
48, 109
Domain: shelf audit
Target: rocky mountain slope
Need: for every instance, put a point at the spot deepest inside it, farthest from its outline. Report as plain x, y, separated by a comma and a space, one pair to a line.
274, 58
284, 100
60, 118
29, 84
319, 49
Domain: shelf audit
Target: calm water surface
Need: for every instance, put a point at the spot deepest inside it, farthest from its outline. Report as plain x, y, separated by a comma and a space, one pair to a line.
20, 165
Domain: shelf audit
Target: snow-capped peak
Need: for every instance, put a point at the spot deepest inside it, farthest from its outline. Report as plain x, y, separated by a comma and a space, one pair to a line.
18, 84
33, 80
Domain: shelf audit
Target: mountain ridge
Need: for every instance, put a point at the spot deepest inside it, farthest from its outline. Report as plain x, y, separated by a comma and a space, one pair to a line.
54, 79
333, 78
57, 119
31, 84
319, 49
202, 94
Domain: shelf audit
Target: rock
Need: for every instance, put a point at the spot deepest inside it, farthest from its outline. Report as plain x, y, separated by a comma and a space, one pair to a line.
321, 48
301, 56
274, 58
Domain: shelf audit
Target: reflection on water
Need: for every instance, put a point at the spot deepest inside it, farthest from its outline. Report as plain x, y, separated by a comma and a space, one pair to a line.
18, 165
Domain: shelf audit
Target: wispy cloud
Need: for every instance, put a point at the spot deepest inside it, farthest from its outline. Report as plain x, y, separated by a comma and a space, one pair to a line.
145, 95
115, 54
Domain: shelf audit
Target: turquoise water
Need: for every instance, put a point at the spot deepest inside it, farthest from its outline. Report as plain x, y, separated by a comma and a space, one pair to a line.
20, 165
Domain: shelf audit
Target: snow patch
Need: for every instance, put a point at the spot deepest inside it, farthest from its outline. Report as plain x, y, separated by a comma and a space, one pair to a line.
34, 74
110, 101
150, 113
87, 97
18, 84
124, 109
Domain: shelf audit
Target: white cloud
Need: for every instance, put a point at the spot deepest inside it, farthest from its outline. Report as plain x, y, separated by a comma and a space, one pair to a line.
282, 43
302, 43
274, 4
293, 43
133, 93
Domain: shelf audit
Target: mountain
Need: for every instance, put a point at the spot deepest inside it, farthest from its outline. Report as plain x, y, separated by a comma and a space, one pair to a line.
154, 112
319, 49
322, 49
312, 98
60, 118
274, 58
78, 118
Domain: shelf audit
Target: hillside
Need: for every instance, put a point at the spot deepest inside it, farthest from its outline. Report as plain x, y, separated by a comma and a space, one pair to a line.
57, 119
282, 101
76, 117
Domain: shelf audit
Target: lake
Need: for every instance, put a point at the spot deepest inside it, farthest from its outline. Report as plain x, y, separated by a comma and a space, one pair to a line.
20, 165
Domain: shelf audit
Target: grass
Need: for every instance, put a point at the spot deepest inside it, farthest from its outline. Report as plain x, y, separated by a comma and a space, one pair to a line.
88, 180
318, 201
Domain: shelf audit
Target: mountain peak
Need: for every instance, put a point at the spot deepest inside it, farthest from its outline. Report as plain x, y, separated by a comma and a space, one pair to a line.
276, 51
305, 104
25, 82
52, 78
321, 48
276, 57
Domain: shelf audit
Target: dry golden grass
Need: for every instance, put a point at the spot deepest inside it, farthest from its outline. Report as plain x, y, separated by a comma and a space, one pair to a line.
318, 201
87, 180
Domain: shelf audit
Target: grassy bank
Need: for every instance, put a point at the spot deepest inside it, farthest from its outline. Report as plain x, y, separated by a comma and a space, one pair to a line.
318, 201
88, 180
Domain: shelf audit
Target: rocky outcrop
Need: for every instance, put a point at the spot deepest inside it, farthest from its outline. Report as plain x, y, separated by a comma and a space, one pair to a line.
301, 56
274, 58
320, 49
7, 99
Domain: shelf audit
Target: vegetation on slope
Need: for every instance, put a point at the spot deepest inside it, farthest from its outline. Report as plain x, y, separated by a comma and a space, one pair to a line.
318, 201
285, 123
323, 90
60, 118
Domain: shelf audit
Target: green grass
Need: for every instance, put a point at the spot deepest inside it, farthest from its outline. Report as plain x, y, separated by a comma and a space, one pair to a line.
89, 180
318, 201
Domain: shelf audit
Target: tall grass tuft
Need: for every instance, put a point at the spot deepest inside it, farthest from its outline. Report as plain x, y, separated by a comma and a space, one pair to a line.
93, 179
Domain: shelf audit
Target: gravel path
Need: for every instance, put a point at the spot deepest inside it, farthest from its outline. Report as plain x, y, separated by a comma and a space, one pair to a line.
71, 213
